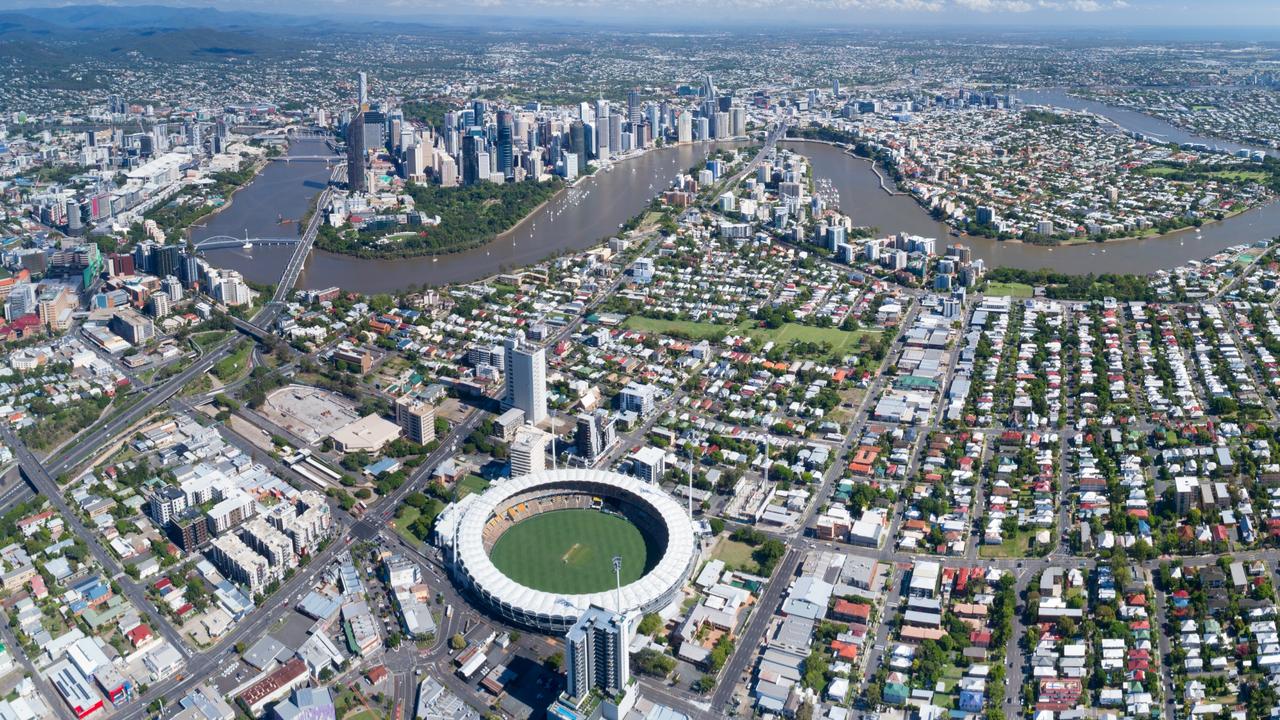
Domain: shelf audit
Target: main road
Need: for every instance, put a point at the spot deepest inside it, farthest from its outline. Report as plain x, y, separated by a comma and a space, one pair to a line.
45, 485
86, 446
201, 664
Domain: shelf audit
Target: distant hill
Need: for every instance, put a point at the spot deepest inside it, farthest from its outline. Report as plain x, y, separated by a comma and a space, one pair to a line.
62, 34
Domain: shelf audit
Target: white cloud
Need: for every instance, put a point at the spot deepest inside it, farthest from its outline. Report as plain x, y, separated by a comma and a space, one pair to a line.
987, 6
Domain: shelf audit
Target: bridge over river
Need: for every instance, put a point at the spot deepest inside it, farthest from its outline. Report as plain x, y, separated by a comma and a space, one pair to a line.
215, 242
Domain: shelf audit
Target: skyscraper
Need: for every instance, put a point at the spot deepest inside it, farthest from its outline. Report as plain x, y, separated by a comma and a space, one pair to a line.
526, 378
633, 107
506, 145
375, 130
594, 435
596, 654
165, 260
615, 133
684, 127
578, 143
470, 159
355, 153
362, 91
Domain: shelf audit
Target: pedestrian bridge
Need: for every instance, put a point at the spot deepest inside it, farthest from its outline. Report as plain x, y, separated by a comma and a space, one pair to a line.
225, 241
309, 158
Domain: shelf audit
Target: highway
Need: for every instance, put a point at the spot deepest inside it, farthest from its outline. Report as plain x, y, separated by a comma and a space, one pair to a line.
42, 476
85, 446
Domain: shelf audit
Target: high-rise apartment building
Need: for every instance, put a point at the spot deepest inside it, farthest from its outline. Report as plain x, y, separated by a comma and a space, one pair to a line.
526, 378
684, 127
596, 655
594, 435
355, 153
417, 419
529, 451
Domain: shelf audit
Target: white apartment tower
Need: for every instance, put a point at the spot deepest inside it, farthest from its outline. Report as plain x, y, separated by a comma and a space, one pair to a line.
526, 378
529, 451
596, 655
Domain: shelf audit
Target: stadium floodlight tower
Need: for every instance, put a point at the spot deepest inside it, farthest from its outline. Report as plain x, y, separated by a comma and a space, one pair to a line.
617, 575
690, 497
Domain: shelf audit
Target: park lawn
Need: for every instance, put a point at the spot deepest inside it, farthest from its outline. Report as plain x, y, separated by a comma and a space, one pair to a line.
236, 365
347, 701
841, 341
1240, 175
1018, 290
209, 338
404, 518
736, 555
471, 484
687, 329
572, 551
365, 714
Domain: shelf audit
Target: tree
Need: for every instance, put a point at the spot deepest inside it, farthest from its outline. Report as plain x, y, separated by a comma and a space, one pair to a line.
650, 624
704, 684
555, 661
815, 671
457, 642
652, 662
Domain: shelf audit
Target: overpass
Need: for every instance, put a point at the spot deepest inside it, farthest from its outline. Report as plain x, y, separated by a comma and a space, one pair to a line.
257, 332
214, 242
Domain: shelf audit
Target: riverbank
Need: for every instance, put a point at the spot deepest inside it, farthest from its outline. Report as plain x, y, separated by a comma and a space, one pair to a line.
467, 218
862, 200
560, 225
957, 232
1151, 234
230, 199
849, 151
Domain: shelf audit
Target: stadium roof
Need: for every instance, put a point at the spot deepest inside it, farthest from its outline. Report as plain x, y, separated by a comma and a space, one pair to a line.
669, 572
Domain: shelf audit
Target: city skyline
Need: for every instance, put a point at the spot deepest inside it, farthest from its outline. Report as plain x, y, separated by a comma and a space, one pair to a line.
894, 358
1045, 16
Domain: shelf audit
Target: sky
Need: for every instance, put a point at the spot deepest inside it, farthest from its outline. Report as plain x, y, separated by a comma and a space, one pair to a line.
1035, 14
